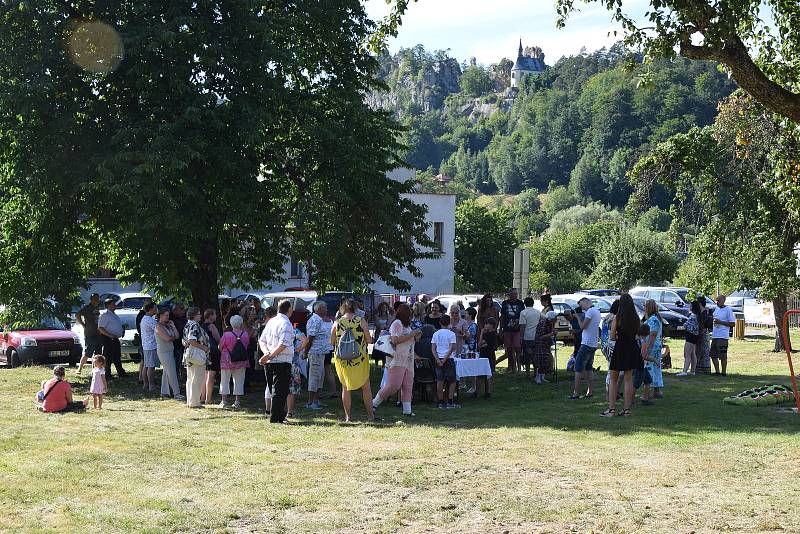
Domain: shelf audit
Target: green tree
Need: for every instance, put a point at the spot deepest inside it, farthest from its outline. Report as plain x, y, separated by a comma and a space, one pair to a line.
558, 198
476, 81
735, 174
630, 256
722, 31
484, 247
199, 156
563, 261
655, 219
576, 216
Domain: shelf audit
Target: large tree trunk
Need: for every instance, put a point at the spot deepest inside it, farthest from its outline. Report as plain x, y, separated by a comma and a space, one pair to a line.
203, 281
779, 309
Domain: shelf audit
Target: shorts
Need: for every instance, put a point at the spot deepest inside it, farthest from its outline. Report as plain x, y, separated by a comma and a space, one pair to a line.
584, 359
692, 338
316, 371
93, 345
512, 340
447, 372
151, 359
491, 356
719, 349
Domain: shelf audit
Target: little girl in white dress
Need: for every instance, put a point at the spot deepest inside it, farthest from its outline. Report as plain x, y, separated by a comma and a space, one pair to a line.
99, 385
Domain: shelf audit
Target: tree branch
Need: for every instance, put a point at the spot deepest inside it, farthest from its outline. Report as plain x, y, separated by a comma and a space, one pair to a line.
747, 75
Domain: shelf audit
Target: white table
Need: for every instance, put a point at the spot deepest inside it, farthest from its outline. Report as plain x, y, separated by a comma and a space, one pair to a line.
466, 367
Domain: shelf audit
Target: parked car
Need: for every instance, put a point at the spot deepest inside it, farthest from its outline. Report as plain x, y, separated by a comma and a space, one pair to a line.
45, 341
127, 301
674, 323
738, 299
669, 297
601, 292
302, 301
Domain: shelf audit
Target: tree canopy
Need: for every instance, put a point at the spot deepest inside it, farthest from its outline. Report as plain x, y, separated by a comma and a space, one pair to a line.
484, 247
190, 146
727, 32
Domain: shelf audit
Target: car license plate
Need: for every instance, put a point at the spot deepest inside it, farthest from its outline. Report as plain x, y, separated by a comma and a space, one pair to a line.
680, 328
59, 353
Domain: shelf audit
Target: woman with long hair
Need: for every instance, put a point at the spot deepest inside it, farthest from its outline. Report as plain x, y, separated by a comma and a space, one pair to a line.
692, 338
626, 355
486, 309
654, 341
212, 367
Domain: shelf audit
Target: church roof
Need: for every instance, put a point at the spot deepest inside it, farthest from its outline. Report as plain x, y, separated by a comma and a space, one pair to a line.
530, 64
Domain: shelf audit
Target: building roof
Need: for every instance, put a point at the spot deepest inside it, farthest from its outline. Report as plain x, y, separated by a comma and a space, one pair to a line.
530, 64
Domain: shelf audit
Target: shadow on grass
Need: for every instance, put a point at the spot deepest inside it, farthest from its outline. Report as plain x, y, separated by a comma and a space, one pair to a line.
691, 405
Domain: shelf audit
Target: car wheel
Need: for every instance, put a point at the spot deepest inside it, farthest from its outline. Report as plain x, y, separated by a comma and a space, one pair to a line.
135, 358
12, 359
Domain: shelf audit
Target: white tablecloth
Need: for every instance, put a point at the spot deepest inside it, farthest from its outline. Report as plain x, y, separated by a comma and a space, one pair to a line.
472, 367
465, 367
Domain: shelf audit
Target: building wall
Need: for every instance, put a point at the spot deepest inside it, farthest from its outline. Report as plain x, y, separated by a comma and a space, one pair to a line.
437, 274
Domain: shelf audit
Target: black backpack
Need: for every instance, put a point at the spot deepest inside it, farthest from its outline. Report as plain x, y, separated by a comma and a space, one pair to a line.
239, 353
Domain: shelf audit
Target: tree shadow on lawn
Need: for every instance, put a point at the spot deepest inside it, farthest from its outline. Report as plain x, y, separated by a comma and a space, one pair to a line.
691, 405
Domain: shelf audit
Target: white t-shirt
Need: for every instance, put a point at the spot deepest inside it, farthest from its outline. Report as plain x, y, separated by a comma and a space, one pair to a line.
443, 339
529, 318
722, 331
591, 332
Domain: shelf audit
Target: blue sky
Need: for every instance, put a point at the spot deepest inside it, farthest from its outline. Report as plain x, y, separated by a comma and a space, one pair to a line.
490, 29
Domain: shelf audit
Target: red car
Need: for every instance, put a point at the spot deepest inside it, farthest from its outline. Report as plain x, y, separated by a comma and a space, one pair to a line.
48, 341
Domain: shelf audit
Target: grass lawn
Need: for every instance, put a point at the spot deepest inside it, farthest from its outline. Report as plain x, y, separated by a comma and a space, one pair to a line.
526, 460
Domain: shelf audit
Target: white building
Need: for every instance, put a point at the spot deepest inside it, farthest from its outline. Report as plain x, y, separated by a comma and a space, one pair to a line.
529, 62
437, 274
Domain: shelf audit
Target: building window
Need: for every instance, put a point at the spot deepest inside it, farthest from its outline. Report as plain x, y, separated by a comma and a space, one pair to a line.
438, 235
295, 270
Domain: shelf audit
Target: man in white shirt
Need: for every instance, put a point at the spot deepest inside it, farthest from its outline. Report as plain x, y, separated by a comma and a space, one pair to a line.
111, 329
724, 320
529, 320
317, 342
277, 344
584, 358
443, 345
149, 346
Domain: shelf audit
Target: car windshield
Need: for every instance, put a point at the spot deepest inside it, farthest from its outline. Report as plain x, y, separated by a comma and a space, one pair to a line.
45, 323
745, 293
602, 305
134, 303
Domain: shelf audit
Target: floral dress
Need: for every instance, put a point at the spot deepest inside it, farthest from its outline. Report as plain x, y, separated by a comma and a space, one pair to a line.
654, 322
296, 380
352, 373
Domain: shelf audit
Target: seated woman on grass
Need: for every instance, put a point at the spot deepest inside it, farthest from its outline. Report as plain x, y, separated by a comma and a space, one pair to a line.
56, 395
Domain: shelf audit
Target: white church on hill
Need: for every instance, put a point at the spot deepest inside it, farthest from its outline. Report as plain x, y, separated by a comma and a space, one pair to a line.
529, 62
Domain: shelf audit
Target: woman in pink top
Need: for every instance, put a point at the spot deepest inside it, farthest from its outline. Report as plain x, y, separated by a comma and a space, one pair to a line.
400, 366
231, 367
56, 395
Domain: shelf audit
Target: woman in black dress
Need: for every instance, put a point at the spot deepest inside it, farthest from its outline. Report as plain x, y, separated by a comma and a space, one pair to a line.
626, 356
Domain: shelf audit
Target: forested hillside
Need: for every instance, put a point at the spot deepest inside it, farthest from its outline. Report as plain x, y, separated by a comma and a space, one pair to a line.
581, 125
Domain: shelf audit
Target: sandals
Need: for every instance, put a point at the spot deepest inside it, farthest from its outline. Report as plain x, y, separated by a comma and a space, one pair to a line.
611, 412
625, 413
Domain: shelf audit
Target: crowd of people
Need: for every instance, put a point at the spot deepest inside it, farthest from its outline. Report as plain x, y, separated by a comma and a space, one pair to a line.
201, 348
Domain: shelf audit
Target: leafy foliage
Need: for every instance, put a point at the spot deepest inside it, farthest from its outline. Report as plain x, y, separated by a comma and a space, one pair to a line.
217, 142
484, 247
563, 261
476, 81
631, 256
577, 216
